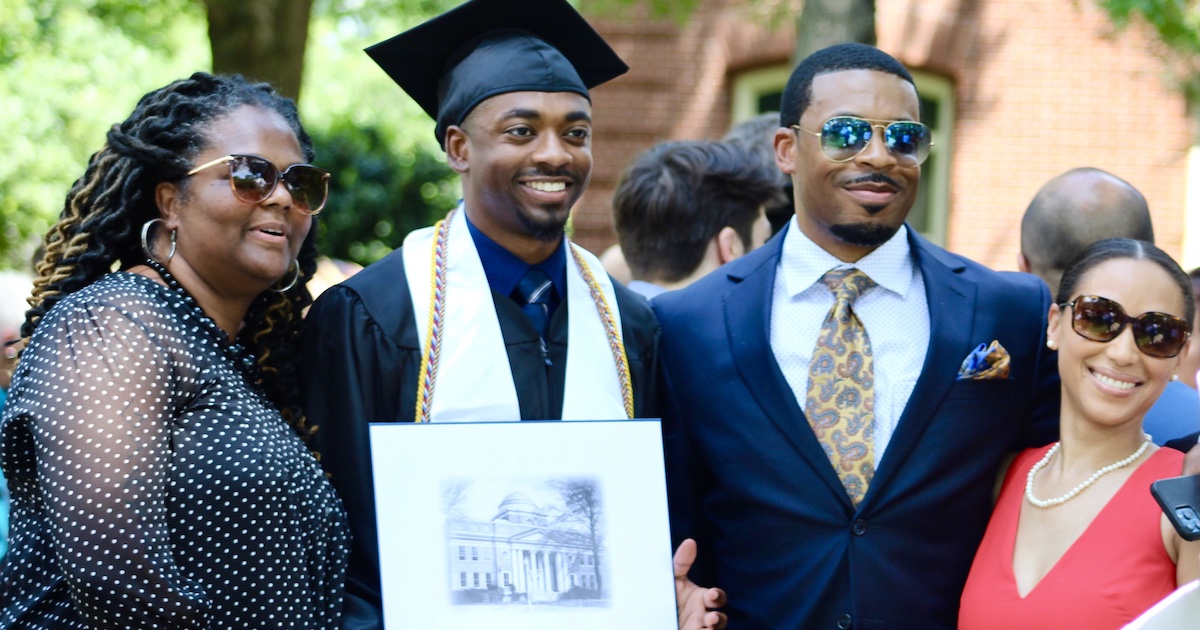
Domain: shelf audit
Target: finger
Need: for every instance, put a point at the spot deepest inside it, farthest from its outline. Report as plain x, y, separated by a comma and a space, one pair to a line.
685, 555
714, 598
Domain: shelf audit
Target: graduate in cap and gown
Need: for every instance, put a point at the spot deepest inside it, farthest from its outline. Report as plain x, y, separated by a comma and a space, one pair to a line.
481, 308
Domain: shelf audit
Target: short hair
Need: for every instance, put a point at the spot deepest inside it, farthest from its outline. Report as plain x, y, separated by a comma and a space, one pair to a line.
674, 198
757, 135
1116, 248
1066, 215
797, 95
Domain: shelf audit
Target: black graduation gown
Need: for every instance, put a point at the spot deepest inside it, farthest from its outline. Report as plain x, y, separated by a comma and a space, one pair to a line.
361, 359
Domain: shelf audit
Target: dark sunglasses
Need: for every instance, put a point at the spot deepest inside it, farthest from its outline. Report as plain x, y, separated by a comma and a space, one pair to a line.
844, 137
253, 179
1156, 334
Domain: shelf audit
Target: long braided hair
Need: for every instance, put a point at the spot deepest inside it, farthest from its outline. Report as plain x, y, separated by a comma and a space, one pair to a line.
101, 220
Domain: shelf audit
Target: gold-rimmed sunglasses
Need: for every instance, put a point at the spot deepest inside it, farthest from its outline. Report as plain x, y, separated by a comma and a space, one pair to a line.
253, 179
843, 138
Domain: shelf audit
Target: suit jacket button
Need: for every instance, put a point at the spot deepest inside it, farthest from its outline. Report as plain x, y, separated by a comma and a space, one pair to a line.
844, 622
860, 527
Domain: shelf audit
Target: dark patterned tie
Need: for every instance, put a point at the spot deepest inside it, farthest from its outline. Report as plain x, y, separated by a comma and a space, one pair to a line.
534, 293
840, 404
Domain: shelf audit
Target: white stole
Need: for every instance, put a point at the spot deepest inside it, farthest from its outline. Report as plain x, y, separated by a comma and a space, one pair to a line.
474, 381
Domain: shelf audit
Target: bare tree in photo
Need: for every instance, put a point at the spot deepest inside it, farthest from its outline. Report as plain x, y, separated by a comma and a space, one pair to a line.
454, 496
581, 500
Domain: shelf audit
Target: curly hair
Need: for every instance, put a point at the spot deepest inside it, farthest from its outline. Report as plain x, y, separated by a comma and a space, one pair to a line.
104, 210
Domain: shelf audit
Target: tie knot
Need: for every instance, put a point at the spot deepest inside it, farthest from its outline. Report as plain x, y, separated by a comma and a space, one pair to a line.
535, 287
847, 284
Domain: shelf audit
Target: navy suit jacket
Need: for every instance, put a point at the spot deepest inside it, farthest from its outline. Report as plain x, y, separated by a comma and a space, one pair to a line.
748, 480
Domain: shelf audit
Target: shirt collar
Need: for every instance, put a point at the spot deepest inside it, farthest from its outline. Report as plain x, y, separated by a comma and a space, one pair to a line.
803, 262
504, 270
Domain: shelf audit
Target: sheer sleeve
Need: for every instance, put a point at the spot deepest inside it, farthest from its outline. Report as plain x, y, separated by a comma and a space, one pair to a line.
102, 390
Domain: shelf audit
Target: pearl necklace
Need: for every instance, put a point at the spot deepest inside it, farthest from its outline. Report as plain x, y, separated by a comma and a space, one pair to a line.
1084, 484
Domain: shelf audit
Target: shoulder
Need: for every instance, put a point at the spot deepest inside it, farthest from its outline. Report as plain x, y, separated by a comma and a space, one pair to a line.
1022, 288
118, 295
635, 309
708, 292
378, 294
639, 326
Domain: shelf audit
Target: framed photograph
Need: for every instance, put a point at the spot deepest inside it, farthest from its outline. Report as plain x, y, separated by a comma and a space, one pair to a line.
523, 525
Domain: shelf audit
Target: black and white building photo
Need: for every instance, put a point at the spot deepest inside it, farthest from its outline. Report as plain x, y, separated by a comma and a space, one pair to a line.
538, 544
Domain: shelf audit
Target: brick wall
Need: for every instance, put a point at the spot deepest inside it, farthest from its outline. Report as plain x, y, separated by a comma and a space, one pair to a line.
1042, 86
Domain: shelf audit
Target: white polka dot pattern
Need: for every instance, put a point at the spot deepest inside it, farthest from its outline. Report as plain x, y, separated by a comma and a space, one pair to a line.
152, 485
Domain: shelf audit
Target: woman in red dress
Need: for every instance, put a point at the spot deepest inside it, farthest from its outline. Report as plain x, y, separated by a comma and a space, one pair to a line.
1076, 539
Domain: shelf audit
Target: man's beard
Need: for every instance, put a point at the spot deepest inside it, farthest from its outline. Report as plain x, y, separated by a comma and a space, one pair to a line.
864, 234
546, 231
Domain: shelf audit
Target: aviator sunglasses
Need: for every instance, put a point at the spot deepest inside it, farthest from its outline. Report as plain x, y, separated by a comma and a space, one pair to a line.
253, 179
844, 137
1156, 334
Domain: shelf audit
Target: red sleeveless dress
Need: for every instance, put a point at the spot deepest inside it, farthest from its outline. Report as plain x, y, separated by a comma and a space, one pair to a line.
1112, 573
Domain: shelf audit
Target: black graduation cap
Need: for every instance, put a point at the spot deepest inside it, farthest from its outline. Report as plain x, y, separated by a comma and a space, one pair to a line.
484, 48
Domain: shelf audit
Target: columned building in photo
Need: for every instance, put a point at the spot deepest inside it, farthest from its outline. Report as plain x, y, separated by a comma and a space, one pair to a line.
521, 554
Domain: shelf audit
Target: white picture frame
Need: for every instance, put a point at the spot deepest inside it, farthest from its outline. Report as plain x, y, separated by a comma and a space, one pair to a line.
523, 525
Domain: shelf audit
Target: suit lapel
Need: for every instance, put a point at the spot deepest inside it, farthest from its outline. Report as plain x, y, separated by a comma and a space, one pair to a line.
951, 300
748, 326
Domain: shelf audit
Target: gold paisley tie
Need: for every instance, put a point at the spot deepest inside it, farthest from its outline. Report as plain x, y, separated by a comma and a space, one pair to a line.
840, 404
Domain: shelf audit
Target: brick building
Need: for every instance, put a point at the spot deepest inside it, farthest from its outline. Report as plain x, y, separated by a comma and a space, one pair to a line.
1017, 91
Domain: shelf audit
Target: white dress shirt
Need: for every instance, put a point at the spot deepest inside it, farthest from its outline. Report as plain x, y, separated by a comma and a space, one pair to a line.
894, 312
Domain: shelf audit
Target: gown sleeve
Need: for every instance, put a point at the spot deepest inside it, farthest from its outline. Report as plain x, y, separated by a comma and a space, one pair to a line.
103, 393
355, 370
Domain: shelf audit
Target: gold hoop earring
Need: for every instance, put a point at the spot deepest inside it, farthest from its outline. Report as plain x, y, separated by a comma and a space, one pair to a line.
295, 268
146, 242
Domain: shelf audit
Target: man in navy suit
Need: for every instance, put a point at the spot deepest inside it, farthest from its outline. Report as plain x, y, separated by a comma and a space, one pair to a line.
778, 527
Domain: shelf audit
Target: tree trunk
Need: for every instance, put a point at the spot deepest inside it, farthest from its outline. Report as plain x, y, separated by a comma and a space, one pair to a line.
262, 40
824, 23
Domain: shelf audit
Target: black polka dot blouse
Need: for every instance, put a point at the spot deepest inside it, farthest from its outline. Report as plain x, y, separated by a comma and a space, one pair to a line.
153, 486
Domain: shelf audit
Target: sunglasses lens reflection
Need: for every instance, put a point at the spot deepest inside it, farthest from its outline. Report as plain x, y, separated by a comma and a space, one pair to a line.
908, 140
253, 178
844, 138
1098, 319
309, 187
1159, 334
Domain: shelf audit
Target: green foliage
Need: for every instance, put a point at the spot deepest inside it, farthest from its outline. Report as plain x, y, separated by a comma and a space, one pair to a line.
67, 74
378, 193
69, 69
1176, 26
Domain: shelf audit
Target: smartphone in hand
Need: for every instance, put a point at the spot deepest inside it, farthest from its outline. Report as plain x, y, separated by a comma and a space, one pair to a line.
1179, 498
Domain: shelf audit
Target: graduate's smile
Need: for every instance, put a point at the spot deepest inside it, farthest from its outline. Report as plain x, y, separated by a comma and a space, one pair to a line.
528, 160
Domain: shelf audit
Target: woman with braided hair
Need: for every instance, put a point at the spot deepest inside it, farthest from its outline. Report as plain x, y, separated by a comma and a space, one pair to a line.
152, 439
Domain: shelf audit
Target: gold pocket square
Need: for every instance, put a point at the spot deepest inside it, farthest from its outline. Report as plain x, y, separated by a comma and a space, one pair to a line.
985, 362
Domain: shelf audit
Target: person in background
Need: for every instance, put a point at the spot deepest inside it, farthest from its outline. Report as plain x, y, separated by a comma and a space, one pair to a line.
152, 435
615, 266
1076, 539
757, 135
684, 208
1074, 210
